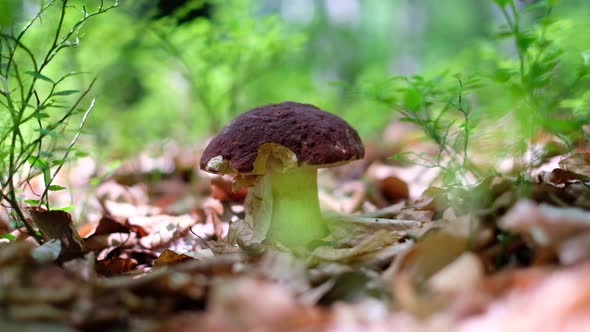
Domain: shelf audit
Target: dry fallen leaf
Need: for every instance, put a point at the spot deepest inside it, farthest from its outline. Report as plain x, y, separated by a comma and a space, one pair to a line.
169, 257
162, 229
58, 225
394, 188
369, 245
464, 273
557, 301
548, 225
247, 304
114, 266
577, 162
433, 252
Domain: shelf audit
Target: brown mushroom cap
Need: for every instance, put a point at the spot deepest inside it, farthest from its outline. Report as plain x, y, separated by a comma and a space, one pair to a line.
315, 137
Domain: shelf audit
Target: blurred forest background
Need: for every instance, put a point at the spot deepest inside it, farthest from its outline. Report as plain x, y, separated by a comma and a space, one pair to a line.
179, 70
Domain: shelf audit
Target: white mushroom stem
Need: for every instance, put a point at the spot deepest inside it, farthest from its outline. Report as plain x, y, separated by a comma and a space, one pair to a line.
296, 218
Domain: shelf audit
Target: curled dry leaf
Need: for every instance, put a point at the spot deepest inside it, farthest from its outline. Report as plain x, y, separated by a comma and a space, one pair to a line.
221, 190
355, 229
109, 225
111, 232
240, 230
369, 245
394, 189
58, 225
169, 257
432, 199
417, 177
386, 212
560, 176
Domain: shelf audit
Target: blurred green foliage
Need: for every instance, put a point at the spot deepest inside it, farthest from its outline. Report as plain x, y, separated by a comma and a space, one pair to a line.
161, 78
178, 75
526, 79
37, 101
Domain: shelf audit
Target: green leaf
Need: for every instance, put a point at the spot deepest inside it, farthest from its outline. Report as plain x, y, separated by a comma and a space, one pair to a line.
65, 92
64, 208
57, 106
8, 237
502, 75
40, 76
40, 115
32, 201
502, 3
524, 41
503, 31
46, 132
585, 57
43, 166
413, 100
55, 187
81, 154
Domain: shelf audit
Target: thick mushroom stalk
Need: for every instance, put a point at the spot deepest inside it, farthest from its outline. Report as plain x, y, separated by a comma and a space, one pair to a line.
296, 217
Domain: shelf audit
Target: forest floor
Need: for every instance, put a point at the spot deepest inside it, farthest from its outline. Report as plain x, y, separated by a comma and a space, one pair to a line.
160, 246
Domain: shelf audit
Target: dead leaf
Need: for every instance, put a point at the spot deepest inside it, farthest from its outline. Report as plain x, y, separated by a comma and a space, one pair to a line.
560, 177
247, 304
578, 162
99, 242
549, 301
169, 257
546, 224
221, 189
394, 188
467, 269
108, 225
355, 229
432, 199
58, 225
15, 252
353, 286
371, 244
162, 229
431, 254
114, 266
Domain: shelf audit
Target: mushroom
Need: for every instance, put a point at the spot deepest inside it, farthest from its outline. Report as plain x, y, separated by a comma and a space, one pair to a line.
276, 150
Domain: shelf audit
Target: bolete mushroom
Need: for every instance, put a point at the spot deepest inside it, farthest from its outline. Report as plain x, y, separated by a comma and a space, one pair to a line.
276, 150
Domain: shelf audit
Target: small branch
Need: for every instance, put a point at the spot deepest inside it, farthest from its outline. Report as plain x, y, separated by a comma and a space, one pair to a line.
69, 148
